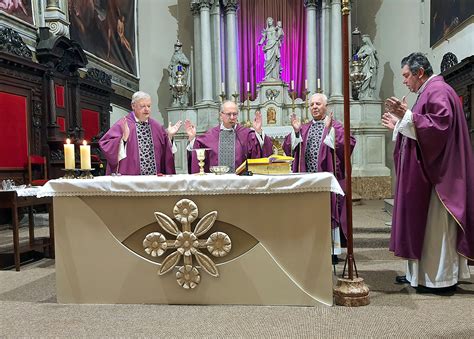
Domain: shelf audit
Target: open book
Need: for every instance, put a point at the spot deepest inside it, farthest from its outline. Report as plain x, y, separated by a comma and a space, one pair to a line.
274, 164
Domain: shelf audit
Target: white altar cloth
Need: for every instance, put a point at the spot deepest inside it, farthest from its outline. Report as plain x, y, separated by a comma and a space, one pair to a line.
209, 184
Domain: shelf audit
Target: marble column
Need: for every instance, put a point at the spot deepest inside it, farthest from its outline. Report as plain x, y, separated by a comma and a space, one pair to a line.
336, 49
325, 55
216, 50
311, 54
232, 72
206, 61
55, 17
197, 53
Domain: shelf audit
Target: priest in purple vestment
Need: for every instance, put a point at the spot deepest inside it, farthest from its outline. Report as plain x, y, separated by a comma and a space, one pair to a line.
433, 214
318, 146
229, 143
138, 144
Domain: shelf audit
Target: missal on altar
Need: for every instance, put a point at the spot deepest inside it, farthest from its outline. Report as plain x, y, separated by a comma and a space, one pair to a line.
275, 164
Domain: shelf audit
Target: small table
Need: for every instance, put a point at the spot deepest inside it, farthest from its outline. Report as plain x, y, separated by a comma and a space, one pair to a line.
13, 201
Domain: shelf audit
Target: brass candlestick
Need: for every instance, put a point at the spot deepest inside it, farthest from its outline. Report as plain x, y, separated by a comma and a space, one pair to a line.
86, 173
223, 96
248, 124
236, 97
69, 173
293, 96
306, 106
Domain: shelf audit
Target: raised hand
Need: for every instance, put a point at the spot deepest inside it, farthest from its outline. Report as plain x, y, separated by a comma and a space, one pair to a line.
125, 129
257, 122
190, 129
396, 107
329, 120
389, 121
295, 122
172, 130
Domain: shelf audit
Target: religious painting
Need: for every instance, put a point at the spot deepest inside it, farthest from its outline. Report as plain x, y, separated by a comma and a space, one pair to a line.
21, 9
447, 15
107, 29
271, 116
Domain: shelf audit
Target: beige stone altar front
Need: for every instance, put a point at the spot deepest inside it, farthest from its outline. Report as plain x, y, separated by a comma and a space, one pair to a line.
190, 239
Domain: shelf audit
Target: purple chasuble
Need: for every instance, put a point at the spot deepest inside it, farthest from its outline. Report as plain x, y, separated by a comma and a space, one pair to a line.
440, 158
110, 144
325, 164
247, 146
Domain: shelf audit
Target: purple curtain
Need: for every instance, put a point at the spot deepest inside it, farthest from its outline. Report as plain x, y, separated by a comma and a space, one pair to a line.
251, 20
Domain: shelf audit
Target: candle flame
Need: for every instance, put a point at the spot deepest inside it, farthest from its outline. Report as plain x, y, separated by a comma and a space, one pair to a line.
68, 141
84, 142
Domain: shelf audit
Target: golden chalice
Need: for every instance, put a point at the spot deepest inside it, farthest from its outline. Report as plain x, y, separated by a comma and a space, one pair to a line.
201, 156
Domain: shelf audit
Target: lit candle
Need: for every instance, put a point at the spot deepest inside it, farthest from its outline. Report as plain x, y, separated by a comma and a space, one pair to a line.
319, 83
306, 84
292, 87
85, 156
248, 86
69, 162
222, 87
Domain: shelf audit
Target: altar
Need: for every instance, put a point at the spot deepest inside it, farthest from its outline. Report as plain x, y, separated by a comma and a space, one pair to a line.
190, 239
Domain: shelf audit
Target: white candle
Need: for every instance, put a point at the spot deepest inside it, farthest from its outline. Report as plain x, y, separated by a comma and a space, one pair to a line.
85, 156
222, 87
319, 83
69, 162
292, 87
306, 84
248, 86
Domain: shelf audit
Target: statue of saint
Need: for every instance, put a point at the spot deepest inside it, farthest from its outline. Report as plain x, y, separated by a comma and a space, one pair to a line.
367, 54
273, 35
179, 77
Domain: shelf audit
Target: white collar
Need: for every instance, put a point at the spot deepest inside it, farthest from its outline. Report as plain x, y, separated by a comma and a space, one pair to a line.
319, 121
422, 88
136, 119
223, 128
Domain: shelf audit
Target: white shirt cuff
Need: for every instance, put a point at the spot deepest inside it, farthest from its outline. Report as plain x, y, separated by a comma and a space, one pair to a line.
330, 138
295, 140
122, 154
190, 145
406, 126
260, 138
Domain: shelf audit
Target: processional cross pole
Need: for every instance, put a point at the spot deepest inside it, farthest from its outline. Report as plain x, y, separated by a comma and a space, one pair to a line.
350, 291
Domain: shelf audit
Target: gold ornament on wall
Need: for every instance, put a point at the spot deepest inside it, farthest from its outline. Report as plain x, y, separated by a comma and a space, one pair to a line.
187, 244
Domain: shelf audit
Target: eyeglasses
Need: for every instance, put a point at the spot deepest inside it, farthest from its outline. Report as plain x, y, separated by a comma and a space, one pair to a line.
230, 114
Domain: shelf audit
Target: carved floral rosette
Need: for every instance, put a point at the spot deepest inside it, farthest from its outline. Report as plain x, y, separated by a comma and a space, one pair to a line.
187, 245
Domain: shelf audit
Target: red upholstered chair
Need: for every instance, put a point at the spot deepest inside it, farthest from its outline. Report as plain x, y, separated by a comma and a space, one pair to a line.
37, 170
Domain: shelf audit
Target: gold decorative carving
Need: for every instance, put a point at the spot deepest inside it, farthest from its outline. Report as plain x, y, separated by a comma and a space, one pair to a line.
187, 243
271, 116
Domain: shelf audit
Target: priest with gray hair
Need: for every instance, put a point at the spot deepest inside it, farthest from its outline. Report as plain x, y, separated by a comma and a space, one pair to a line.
137, 144
229, 143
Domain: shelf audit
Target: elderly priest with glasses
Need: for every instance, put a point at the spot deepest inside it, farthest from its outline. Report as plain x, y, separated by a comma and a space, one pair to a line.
229, 143
138, 144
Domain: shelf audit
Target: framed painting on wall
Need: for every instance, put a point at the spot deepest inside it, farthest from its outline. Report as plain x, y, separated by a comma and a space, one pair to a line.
20, 9
446, 16
106, 29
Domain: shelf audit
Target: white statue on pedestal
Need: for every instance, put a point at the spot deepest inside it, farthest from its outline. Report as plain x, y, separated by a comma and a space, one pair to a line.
367, 54
273, 35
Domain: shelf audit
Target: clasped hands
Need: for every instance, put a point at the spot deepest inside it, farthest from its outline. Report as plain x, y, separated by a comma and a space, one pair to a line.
394, 110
